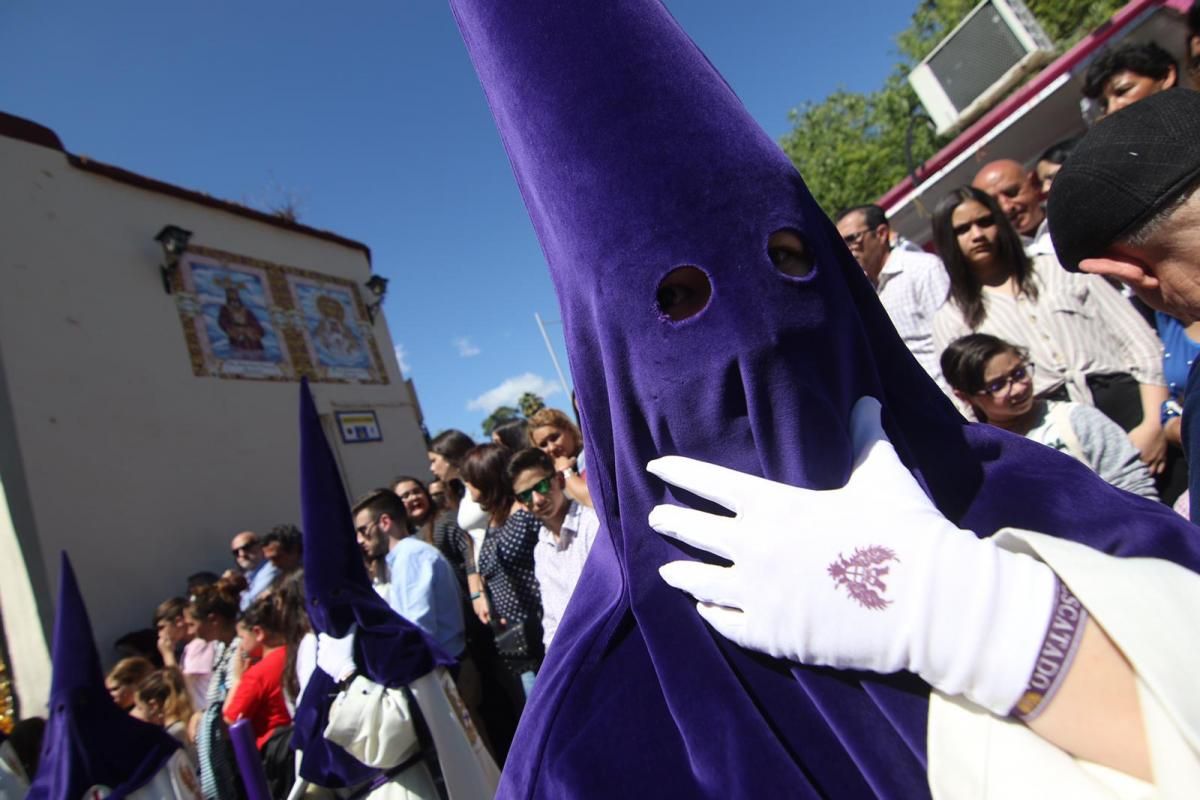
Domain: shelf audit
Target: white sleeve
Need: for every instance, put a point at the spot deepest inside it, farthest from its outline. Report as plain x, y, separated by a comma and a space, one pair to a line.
1148, 608
550, 611
306, 661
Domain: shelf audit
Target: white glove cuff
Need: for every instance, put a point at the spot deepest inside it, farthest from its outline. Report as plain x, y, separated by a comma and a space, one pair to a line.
1026, 590
988, 614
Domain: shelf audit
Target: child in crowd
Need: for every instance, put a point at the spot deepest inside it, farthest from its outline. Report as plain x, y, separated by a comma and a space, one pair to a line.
123, 678
256, 677
995, 378
163, 698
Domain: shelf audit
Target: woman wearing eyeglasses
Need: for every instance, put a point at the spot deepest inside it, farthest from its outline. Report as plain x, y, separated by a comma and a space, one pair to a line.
1089, 344
996, 380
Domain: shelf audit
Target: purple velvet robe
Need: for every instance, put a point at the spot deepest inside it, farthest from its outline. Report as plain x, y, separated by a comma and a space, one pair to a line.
89, 741
388, 649
634, 157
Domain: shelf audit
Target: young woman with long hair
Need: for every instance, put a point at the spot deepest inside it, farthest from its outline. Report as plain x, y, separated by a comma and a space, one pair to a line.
556, 435
211, 615
447, 452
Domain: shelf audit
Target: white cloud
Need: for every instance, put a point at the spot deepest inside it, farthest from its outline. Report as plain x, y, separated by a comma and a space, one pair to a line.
402, 359
506, 393
466, 348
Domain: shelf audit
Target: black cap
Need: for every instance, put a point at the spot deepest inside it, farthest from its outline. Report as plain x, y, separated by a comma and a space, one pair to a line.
1127, 168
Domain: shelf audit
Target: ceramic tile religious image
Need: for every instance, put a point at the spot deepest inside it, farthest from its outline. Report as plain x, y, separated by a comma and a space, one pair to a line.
333, 330
231, 311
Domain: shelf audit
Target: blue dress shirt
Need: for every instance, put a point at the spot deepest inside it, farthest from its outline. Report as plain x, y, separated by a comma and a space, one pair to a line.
260, 579
425, 591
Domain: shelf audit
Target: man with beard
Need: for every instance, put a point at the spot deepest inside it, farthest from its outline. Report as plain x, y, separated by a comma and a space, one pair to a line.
421, 584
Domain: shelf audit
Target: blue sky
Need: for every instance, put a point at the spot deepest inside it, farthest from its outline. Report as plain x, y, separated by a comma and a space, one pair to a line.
369, 114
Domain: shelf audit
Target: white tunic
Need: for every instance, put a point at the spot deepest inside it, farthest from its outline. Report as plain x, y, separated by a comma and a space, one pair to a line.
1148, 607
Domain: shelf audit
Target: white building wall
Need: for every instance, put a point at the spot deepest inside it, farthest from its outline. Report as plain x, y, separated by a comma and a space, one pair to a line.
118, 453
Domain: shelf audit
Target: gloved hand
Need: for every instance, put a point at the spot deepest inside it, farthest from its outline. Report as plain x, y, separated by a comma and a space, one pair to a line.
335, 657
869, 576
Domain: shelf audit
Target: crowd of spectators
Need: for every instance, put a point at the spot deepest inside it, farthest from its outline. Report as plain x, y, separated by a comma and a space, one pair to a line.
485, 565
1017, 341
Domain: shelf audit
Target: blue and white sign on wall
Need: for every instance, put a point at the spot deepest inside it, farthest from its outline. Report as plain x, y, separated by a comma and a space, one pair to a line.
358, 426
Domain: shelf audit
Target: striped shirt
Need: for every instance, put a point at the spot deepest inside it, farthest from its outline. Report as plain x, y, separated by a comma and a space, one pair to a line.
1078, 325
213, 757
912, 287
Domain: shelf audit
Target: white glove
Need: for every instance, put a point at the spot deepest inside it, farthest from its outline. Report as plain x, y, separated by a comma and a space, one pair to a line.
869, 576
335, 657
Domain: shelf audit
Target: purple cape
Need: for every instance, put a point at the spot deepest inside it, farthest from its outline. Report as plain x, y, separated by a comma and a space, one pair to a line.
88, 740
388, 649
634, 157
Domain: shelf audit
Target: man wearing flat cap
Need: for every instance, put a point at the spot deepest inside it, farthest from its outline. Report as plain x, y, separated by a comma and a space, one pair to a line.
1126, 206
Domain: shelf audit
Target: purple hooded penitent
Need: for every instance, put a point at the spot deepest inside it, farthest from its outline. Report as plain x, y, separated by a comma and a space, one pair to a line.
89, 742
388, 649
634, 158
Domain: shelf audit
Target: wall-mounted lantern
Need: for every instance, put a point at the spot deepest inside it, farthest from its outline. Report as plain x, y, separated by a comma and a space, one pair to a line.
174, 241
377, 284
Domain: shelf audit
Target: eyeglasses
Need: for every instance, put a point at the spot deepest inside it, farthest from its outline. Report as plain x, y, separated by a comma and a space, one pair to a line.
542, 487
363, 530
852, 239
413, 492
1021, 372
244, 548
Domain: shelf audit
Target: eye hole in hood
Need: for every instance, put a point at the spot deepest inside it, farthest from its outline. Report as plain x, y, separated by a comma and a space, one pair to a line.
683, 293
790, 254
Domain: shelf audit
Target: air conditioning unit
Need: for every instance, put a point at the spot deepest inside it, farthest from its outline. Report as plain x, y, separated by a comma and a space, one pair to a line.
989, 52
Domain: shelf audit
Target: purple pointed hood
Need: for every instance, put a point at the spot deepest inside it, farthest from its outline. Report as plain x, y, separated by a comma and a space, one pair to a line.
634, 158
89, 741
389, 649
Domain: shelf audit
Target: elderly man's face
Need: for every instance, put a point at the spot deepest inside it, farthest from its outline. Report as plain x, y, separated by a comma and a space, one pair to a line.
1017, 191
1164, 273
247, 551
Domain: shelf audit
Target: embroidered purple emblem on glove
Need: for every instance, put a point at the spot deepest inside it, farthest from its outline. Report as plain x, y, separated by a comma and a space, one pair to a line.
862, 574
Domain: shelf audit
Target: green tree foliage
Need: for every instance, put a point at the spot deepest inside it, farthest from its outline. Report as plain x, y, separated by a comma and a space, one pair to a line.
530, 404
850, 147
499, 417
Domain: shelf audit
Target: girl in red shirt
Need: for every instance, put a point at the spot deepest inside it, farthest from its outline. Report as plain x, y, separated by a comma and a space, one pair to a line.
256, 675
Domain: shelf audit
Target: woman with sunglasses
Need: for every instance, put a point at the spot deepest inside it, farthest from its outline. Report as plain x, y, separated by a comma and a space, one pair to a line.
996, 380
1089, 343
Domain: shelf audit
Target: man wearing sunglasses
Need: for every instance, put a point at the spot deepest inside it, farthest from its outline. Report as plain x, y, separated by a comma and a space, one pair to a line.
259, 573
911, 285
566, 536
421, 586
1019, 193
